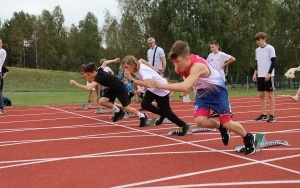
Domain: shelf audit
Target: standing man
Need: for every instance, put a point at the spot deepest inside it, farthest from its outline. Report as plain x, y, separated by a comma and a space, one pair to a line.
156, 57
2, 59
264, 75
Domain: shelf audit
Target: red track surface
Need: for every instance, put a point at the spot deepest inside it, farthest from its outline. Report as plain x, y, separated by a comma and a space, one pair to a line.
57, 146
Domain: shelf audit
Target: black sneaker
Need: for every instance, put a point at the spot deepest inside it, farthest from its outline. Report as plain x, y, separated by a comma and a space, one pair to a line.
143, 121
225, 134
160, 120
118, 115
271, 119
214, 114
249, 142
262, 117
183, 130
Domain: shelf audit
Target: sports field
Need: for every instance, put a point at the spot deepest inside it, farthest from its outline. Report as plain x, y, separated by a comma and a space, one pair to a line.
58, 146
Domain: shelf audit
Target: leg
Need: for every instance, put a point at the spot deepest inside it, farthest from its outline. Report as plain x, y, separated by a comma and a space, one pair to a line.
272, 102
163, 104
147, 103
263, 102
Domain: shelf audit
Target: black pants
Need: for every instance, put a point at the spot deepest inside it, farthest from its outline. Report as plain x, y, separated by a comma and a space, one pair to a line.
163, 107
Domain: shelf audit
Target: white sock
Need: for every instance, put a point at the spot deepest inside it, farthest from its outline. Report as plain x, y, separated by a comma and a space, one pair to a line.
141, 115
116, 109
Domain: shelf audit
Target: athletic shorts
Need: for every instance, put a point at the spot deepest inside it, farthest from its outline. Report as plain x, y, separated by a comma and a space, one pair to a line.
263, 85
121, 94
216, 99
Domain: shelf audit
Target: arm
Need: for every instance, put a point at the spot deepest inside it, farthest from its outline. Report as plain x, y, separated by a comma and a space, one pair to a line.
273, 60
148, 64
196, 71
84, 87
231, 60
106, 62
255, 72
164, 63
5, 74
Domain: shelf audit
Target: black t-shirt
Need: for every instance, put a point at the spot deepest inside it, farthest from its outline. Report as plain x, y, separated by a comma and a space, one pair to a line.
108, 80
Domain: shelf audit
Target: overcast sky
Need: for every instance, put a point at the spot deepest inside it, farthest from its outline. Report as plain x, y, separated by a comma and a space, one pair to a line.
73, 10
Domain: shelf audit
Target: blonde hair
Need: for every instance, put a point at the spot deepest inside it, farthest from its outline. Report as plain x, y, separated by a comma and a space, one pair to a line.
131, 61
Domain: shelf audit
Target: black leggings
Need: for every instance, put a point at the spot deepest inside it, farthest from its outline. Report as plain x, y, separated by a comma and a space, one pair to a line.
163, 107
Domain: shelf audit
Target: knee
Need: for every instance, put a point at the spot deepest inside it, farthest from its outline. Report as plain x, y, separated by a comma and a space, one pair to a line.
200, 120
144, 105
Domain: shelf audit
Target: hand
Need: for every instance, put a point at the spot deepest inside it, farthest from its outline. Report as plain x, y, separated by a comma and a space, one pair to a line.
152, 83
267, 78
254, 78
73, 82
290, 73
127, 75
117, 60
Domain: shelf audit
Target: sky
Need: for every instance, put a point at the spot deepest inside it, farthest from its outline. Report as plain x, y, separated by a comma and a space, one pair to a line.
73, 10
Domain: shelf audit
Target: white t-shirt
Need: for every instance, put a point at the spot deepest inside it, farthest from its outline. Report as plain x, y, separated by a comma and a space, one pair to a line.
141, 89
263, 57
2, 57
146, 72
158, 54
217, 61
107, 69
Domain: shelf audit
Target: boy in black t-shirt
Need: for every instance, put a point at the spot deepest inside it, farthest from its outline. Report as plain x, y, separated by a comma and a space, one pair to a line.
116, 89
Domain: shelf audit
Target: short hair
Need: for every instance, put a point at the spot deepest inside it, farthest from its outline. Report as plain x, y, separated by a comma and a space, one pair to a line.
179, 48
101, 61
90, 67
260, 35
215, 42
81, 68
151, 39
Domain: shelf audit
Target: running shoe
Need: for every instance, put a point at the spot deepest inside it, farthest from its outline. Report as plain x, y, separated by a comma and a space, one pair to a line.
225, 134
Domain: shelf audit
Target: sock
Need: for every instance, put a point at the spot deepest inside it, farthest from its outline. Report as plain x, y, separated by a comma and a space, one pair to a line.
141, 115
116, 109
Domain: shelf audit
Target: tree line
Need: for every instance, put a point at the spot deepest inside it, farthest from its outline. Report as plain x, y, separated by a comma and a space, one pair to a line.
44, 42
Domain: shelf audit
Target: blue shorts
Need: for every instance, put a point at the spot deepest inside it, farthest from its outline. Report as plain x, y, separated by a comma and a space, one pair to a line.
214, 98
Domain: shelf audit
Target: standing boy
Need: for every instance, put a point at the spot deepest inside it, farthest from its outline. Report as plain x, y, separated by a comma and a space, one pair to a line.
219, 60
211, 93
2, 59
264, 75
116, 89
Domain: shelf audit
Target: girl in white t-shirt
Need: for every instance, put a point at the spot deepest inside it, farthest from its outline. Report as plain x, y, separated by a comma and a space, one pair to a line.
161, 96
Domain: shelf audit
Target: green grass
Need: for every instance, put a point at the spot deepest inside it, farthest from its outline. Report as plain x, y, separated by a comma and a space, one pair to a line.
32, 87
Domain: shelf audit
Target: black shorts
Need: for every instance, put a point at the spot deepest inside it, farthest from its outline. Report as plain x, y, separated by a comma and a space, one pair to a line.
263, 85
121, 95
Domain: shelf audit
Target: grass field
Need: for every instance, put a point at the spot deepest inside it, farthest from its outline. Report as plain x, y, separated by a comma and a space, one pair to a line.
32, 87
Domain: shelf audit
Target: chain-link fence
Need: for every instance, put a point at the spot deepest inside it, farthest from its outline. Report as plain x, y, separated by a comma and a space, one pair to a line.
245, 82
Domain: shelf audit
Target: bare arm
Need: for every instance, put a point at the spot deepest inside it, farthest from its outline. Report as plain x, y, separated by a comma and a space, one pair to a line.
231, 60
106, 62
84, 87
164, 63
148, 64
196, 71
5, 74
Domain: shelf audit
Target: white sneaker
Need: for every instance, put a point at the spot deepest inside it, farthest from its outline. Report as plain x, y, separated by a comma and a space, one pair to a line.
295, 98
2, 111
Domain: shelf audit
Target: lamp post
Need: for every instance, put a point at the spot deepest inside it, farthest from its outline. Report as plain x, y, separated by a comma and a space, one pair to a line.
25, 45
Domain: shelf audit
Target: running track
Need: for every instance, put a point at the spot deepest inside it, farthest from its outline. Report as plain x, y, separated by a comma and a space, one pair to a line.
57, 146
